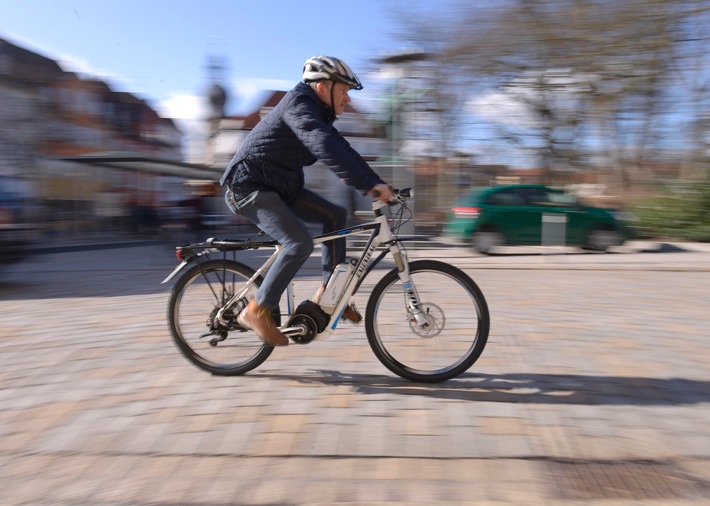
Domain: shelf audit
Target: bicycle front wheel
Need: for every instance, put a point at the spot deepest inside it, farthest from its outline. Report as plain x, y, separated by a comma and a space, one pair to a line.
456, 328
222, 349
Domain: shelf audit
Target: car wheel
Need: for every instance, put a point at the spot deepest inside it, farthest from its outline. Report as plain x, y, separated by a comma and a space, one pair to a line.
484, 241
602, 239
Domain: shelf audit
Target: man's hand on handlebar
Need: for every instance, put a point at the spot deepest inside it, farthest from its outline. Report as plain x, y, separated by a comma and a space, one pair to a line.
382, 192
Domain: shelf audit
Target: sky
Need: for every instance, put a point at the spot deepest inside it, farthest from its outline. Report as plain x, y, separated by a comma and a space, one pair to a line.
159, 50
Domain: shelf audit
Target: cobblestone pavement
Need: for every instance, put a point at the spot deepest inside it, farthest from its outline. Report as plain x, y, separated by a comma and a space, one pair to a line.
594, 389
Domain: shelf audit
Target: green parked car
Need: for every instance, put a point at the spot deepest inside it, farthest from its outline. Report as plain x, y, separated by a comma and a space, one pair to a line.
532, 215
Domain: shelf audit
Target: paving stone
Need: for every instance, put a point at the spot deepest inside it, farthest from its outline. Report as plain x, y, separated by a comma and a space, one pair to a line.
591, 359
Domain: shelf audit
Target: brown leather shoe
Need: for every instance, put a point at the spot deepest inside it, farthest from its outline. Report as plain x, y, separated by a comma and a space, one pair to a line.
351, 314
258, 319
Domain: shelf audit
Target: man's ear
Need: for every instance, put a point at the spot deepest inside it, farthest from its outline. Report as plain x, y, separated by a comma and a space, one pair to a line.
323, 91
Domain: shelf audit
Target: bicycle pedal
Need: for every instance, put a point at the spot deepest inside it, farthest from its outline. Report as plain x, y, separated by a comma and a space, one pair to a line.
351, 314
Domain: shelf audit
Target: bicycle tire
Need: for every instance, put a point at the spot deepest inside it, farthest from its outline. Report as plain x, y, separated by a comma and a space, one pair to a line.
450, 346
194, 299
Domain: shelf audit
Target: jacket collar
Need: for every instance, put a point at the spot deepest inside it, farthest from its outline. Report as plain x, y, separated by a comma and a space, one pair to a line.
327, 111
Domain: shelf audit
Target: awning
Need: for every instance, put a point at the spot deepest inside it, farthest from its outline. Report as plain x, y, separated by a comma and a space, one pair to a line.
143, 163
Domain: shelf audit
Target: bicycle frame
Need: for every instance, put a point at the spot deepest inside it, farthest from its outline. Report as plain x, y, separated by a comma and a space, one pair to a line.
380, 233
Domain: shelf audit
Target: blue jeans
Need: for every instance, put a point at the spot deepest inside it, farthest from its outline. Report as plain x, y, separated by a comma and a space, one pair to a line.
284, 222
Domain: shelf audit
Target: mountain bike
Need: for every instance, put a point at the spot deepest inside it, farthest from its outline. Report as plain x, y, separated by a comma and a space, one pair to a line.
425, 320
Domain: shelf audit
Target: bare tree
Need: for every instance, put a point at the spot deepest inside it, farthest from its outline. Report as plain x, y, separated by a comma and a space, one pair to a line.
595, 77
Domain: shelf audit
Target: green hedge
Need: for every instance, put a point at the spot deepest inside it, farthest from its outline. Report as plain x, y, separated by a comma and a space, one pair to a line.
681, 212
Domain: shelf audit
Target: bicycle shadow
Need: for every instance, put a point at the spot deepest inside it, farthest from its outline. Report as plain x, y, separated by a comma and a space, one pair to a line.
526, 388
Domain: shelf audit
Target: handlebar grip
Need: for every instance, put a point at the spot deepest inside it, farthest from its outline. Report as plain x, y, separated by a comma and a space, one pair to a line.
405, 192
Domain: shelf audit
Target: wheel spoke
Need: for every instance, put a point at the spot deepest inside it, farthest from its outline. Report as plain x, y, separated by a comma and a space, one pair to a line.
454, 308
192, 314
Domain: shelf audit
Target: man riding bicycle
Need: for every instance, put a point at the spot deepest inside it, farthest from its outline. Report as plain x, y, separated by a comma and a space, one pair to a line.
266, 183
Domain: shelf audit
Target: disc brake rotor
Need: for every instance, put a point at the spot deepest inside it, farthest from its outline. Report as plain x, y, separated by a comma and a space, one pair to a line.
432, 322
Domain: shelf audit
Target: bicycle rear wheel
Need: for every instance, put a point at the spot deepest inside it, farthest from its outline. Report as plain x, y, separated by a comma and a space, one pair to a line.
224, 350
458, 330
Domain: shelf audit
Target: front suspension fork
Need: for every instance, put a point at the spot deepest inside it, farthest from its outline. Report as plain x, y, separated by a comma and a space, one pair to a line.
415, 313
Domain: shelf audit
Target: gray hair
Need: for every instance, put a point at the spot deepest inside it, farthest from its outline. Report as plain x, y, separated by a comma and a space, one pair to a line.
313, 84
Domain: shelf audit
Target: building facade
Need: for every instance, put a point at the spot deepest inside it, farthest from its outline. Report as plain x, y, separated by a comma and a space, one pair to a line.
48, 115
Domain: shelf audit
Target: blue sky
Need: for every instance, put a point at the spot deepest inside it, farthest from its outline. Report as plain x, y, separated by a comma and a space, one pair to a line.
159, 49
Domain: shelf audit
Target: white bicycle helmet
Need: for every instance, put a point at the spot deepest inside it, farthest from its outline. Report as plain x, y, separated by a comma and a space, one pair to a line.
327, 67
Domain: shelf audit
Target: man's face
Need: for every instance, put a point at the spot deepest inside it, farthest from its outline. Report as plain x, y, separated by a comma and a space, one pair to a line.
340, 96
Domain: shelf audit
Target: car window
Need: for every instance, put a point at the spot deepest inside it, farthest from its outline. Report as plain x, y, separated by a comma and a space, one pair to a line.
532, 196
561, 199
542, 199
548, 198
505, 198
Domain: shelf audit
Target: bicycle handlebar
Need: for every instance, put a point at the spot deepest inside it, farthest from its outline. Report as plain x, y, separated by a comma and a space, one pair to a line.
404, 193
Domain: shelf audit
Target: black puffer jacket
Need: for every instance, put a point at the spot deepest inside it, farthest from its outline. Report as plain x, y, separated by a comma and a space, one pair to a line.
296, 133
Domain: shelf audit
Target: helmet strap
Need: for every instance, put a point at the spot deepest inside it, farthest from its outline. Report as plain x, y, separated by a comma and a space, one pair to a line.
331, 116
332, 99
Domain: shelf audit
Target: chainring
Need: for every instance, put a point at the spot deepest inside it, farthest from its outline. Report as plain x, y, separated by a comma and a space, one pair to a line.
311, 318
307, 325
